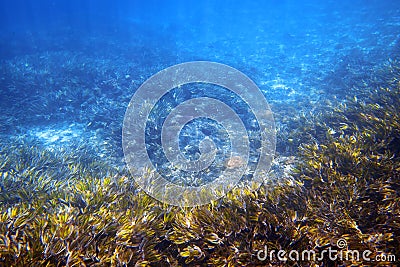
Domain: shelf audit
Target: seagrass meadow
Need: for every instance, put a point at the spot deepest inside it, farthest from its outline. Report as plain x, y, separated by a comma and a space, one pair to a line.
59, 208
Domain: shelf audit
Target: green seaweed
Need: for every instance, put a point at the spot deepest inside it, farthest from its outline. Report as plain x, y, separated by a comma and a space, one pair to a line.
346, 184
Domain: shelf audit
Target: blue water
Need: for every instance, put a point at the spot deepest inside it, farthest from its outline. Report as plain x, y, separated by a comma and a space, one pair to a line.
69, 68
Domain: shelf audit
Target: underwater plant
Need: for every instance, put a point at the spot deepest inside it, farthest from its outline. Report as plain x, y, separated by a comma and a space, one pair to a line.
59, 209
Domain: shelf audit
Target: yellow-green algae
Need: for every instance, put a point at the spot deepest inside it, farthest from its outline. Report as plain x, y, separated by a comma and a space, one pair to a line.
346, 185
